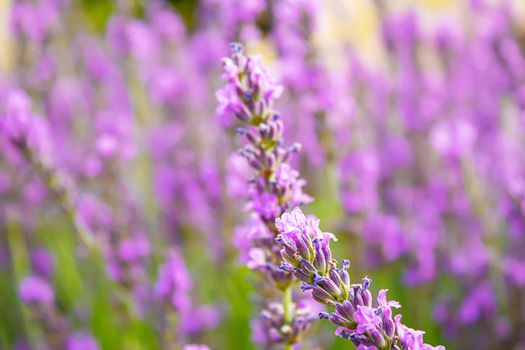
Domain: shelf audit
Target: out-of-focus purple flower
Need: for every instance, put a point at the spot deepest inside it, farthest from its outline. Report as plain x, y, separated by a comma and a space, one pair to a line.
198, 319
134, 248
515, 270
43, 262
81, 341
36, 290
270, 327
33, 21
174, 282
480, 301
360, 173
23, 129
385, 231
253, 230
196, 347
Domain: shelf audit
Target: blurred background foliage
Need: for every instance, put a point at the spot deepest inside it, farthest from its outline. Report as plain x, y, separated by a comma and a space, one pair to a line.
352, 21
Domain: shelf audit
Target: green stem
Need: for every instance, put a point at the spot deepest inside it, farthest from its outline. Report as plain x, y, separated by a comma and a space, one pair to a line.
287, 312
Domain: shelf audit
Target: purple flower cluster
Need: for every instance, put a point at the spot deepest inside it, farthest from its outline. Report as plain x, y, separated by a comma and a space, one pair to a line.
249, 96
37, 292
173, 287
107, 133
436, 180
78, 153
306, 252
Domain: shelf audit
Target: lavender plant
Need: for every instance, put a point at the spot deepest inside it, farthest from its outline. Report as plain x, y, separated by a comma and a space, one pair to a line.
249, 95
306, 252
434, 139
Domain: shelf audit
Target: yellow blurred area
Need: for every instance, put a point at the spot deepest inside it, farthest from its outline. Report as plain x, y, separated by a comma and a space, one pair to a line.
355, 22
4, 35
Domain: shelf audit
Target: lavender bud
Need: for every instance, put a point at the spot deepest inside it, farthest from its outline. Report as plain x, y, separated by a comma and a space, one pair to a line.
334, 276
358, 299
270, 160
243, 115
338, 320
326, 252
346, 309
320, 261
281, 154
255, 163
366, 282
264, 129
388, 326
295, 148
276, 129
367, 297
324, 316
355, 338
236, 48
289, 258
286, 267
252, 137
345, 278
302, 275
305, 286
377, 338
330, 287
307, 265
302, 248
320, 295
318, 279
344, 334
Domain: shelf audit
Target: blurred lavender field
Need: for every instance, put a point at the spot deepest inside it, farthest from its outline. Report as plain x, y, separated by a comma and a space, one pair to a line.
149, 171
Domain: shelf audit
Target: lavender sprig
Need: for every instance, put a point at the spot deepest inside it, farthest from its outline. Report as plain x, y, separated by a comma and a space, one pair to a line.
29, 136
306, 252
276, 187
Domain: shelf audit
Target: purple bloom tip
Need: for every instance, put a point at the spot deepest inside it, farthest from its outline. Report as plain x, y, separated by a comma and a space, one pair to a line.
306, 286
236, 48
366, 282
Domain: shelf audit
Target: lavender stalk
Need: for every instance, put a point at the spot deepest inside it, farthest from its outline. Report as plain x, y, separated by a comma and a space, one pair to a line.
276, 187
28, 134
304, 247
307, 255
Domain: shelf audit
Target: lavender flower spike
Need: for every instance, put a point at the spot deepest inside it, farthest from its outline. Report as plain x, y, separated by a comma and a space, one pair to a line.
306, 250
276, 187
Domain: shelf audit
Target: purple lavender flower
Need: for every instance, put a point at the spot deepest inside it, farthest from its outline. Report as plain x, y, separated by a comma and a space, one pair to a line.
306, 252
43, 262
410, 338
174, 283
195, 347
249, 97
81, 341
36, 290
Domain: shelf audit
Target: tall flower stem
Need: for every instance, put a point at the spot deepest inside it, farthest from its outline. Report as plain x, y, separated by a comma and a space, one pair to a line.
287, 311
62, 195
249, 95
